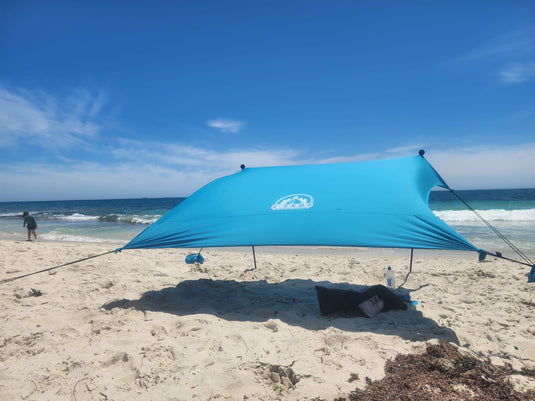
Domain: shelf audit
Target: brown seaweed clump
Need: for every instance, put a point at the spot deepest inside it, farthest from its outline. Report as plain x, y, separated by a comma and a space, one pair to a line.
442, 373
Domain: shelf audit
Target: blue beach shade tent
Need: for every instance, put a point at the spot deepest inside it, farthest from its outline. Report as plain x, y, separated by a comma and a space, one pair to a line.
380, 203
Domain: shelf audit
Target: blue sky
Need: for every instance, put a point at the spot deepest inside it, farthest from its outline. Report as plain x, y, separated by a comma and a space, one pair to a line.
113, 99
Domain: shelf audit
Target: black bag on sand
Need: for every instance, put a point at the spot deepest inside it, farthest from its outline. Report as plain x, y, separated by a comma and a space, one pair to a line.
334, 301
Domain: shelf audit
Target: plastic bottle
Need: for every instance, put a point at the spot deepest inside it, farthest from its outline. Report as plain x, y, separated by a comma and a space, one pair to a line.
390, 278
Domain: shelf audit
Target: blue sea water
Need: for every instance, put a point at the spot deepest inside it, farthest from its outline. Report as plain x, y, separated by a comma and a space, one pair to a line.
511, 211
106, 220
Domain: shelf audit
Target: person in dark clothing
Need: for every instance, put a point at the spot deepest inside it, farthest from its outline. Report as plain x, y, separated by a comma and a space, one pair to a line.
30, 223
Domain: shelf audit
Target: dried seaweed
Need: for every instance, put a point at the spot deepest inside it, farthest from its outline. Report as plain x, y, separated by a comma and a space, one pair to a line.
442, 373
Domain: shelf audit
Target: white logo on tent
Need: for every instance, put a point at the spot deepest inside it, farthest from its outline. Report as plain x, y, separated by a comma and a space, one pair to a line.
293, 202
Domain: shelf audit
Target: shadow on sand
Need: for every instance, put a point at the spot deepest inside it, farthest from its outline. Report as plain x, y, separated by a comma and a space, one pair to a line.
292, 301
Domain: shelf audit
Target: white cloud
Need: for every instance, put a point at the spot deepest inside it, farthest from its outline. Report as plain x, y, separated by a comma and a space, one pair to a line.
134, 169
144, 171
97, 181
189, 157
40, 118
150, 168
406, 150
486, 167
515, 50
518, 73
223, 125
519, 44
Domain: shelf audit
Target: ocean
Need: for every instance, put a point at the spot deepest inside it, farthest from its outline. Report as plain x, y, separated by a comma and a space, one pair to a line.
105, 220
116, 221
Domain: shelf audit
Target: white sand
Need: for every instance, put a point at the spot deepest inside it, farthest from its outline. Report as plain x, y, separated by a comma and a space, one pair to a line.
143, 325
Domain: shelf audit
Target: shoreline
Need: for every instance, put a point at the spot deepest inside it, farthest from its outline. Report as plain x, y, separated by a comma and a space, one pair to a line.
275, 249
141, 324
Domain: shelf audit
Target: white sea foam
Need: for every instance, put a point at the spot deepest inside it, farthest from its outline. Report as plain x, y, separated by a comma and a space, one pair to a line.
144, 219
76, 217
55, 236
7, 214
517, 215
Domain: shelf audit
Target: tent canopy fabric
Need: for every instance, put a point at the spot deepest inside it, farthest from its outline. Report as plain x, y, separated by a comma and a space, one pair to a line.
380, 203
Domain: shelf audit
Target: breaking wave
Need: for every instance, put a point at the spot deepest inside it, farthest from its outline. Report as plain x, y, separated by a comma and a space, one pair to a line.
111, 218
73, 217
515, 215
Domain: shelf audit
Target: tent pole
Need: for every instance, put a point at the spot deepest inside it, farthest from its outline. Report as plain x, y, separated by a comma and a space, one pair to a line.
254, 258
410, 269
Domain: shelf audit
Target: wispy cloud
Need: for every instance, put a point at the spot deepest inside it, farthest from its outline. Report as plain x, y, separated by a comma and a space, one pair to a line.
40, 118
135, 169
162, 173
224, 125
511, 55
518, 73
190, 158
486, 167
518, 45
406, 150
177, 170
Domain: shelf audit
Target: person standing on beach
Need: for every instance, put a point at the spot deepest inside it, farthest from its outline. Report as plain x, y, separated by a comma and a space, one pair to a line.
30, 223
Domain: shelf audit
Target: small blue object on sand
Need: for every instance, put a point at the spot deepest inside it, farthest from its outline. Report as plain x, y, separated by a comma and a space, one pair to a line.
531, 275
407, 298
194, 258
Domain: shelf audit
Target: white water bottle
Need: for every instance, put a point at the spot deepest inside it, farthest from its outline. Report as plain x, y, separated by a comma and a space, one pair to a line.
390, 278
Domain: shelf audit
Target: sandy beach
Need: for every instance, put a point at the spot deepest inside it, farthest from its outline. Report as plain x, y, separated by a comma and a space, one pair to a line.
143, 325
